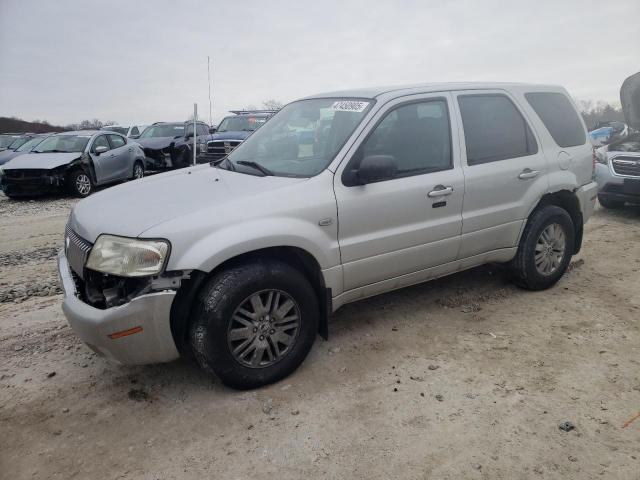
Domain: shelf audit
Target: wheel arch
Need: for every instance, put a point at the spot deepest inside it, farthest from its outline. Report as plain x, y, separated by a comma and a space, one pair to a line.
568, 201
296, 257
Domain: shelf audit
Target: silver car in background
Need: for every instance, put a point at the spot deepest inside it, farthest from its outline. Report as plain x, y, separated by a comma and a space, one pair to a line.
73, 161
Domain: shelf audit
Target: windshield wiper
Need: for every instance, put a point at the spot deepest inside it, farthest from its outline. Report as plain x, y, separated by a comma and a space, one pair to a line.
255, 165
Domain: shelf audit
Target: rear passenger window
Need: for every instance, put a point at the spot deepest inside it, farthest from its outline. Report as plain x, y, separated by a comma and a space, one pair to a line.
559, 116
417, 135
494, 129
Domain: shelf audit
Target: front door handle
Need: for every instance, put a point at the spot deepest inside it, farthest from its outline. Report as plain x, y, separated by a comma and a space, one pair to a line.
528, 173
440, 191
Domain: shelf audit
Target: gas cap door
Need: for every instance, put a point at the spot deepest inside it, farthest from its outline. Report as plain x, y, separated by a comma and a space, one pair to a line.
564, 160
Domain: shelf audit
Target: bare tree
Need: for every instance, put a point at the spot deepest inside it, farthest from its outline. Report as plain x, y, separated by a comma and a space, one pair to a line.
272, 104
594, 112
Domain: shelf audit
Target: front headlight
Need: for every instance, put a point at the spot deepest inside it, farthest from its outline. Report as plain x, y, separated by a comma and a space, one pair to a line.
128, 257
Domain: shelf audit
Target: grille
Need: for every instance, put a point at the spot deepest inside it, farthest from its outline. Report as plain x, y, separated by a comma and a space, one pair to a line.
626, 166
77, 250
25, 174
220, 148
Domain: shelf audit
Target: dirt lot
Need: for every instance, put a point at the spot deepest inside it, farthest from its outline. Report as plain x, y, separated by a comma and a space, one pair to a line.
466, 377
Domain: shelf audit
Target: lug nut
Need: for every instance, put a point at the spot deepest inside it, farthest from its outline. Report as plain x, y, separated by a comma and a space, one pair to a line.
272, 331
261, 337
255, 329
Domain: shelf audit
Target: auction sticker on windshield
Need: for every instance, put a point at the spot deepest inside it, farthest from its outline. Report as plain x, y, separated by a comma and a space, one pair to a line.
349, 106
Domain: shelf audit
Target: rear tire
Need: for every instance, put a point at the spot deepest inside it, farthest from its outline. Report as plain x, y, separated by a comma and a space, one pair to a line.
79, 183
254, 323
609, 203
545, 249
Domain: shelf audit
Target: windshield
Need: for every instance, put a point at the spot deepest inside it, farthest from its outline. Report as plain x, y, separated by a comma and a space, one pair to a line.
17, 142
166, 130
241, 123
122, 130
28, 145
303, 137
6, 140
63, 144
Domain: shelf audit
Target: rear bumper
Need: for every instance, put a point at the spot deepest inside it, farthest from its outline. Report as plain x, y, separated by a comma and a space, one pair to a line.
587, 195
152, 344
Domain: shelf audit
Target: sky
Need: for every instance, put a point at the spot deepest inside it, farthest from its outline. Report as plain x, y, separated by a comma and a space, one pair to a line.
137, 62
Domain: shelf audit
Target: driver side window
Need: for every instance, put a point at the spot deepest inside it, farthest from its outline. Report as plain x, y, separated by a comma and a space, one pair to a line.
100, 141
416, 135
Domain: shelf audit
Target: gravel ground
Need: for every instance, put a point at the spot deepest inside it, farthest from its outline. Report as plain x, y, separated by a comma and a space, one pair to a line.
464, 377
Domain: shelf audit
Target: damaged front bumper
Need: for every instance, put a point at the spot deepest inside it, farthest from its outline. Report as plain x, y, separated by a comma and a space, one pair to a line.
135, 333
17, 182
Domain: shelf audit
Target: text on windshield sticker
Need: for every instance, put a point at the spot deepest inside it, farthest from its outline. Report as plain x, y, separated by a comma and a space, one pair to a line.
349, 106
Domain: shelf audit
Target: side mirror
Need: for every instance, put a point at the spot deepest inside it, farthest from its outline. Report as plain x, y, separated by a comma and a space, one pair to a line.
134, 136
189, 135
213, 130
375, 168
100, 149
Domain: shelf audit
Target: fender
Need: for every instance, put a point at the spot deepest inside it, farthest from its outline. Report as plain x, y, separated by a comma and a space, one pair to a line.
228, 242
86, 163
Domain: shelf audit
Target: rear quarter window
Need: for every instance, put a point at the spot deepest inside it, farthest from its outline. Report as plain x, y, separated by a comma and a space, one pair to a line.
559, 117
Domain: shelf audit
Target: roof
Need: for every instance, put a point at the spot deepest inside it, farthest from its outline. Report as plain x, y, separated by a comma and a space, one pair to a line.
79, 132
177, 123
399, 90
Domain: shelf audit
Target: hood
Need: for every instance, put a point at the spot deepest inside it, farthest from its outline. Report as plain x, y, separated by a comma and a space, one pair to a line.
8, 155
132, 208
42, 160
630, 100
230, 135
155, 143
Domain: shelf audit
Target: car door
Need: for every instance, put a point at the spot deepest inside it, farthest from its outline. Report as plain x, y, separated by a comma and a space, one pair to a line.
121, 159
412, 220
504, 169
100, 160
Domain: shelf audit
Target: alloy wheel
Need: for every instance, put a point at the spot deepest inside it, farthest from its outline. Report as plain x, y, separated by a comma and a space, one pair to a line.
138, 172
83, 184
550, 249
264, 328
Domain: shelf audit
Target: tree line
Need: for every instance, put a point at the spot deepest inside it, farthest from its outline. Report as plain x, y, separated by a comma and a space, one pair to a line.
593, 112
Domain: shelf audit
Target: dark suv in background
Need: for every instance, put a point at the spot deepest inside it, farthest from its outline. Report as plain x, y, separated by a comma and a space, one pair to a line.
169, 145
232, 131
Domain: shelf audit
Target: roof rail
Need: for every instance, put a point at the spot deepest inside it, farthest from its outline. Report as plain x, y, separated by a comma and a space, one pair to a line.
252, 112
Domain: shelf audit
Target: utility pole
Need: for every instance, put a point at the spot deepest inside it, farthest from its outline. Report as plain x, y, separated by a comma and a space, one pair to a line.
195, 132
209, 78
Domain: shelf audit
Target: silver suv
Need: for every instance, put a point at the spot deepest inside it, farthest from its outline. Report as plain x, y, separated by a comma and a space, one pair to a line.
338, 197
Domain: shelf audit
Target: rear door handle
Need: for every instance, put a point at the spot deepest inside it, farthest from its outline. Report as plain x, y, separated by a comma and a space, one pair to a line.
440, 191
528, 173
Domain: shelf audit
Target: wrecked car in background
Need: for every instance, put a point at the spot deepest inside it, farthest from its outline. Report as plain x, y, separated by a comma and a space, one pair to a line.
133, 131
72, 161
617, 168
605, 132
169, 145
233, 130
29, 144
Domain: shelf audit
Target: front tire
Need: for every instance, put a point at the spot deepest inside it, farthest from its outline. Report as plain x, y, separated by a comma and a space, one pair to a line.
254, 323
546, 247
609, 203
79, 183
138, 170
